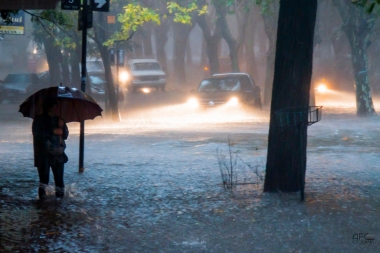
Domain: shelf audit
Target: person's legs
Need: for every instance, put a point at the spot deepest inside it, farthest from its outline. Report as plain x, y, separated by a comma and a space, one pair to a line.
58, 169
43, 173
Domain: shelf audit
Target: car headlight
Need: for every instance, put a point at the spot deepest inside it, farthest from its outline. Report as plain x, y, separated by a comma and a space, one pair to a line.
234, 101
193, 102
321, 88
124, 76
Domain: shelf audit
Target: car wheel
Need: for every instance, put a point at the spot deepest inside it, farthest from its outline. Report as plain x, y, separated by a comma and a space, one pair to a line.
121, 97
258, 104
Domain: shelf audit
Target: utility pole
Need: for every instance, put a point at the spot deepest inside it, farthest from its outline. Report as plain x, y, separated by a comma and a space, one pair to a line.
85, 17
83, 80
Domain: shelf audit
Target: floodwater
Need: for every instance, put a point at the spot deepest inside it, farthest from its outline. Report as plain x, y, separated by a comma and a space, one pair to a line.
152, 183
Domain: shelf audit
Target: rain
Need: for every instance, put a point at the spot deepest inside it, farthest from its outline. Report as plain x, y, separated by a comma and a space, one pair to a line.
154, 160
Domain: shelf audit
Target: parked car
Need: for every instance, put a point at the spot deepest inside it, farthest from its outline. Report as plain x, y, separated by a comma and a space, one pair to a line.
146, 73
97, 82
228, 89
18, 86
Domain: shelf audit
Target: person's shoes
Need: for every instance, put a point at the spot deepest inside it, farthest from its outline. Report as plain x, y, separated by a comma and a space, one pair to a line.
41, 193
59, 192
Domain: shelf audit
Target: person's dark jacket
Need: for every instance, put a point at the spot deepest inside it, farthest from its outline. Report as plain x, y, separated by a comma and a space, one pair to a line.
42, 129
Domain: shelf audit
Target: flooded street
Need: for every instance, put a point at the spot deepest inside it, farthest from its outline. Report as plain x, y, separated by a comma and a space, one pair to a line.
152, 183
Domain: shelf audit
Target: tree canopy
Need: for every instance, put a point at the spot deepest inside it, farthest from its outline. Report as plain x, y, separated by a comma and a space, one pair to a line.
135, 15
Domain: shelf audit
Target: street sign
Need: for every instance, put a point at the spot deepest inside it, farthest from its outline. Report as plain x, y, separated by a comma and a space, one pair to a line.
70, 5
88, 19
100, 5
120, 57
17, 27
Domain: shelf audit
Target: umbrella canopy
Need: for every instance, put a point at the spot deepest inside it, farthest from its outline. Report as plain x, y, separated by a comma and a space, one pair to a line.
73, 104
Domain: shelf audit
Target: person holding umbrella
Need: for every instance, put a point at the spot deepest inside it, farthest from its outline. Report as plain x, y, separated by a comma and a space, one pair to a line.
48, 108
47, 128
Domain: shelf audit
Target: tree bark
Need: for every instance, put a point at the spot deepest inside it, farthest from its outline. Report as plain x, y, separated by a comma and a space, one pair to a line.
286, 160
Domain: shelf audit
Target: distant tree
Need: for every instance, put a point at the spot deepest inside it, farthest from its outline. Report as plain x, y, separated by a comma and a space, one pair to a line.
51, 30
181, 34
358, 27
212, 34
136, 15
286, 160
100, 35
241, 10
269, 12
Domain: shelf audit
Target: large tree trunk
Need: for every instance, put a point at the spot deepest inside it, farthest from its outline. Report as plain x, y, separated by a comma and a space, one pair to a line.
286, 160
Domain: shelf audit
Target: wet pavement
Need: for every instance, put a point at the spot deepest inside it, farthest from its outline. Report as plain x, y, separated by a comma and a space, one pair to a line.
152, 184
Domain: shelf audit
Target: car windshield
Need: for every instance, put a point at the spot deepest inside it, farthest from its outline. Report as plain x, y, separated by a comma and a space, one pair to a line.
15, 78
219, 84
146, 66
97, 80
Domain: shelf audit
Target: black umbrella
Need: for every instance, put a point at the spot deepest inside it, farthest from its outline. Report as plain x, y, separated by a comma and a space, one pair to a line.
73, 104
